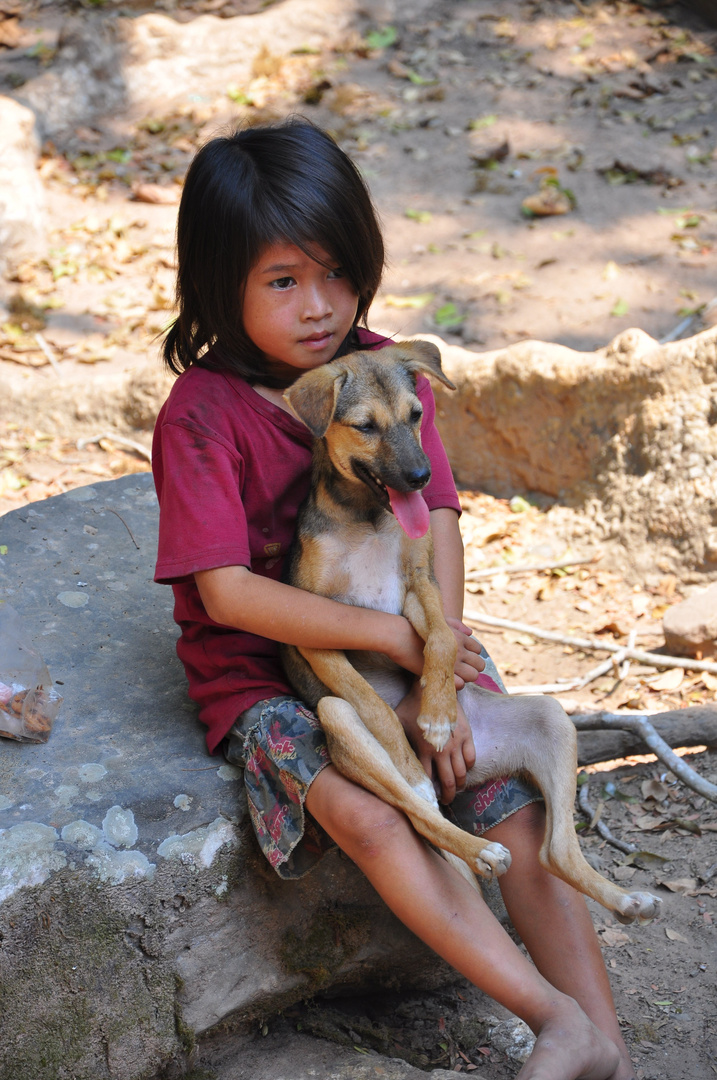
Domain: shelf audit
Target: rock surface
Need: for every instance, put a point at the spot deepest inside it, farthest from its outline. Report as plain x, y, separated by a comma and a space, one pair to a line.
136, 911
135, 64
628, 431
691, 627
22, 200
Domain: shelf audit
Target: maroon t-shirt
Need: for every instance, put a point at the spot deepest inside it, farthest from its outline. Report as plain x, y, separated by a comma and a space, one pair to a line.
231, 470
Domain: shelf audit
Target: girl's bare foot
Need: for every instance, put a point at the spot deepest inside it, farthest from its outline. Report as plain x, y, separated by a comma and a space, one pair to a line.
570, 1047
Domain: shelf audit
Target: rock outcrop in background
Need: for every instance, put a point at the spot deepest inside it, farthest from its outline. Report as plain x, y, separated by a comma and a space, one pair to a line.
628, 432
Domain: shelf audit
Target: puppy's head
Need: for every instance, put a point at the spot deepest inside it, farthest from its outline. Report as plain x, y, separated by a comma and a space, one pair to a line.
365, 409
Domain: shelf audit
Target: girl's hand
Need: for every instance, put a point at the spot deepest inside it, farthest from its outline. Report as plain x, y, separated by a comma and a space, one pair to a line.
469, 662
406, 650
447, 768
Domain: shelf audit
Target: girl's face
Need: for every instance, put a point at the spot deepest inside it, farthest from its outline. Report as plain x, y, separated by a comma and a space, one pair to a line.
296, 311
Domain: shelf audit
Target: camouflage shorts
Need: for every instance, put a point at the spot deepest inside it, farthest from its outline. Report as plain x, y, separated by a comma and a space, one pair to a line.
281, 748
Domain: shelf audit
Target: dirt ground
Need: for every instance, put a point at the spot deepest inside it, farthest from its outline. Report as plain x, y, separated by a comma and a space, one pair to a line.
455, 117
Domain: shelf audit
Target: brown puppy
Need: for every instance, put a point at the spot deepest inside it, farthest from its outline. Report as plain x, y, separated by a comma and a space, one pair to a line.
363, 538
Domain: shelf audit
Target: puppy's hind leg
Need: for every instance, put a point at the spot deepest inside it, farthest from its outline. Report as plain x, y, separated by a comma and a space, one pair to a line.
533, 735
359, 756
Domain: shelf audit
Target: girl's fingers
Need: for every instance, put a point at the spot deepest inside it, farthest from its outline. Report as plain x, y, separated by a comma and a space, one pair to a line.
446, 778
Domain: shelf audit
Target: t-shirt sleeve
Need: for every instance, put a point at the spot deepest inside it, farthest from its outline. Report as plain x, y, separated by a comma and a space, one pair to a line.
202, 522
441, 490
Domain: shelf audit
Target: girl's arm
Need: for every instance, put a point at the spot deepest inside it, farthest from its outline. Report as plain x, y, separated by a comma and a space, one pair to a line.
234, 596
449, 767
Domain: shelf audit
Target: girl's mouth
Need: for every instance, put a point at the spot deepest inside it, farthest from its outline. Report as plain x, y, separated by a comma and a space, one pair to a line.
317, 340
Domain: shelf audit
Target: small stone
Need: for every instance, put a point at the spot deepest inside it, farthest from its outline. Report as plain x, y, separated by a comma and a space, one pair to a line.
691, 626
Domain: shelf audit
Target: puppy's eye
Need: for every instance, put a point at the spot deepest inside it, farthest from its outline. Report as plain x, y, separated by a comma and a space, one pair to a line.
369, 428
416, 415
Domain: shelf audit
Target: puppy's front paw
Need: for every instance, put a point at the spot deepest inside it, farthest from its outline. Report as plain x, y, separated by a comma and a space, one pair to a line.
493, 861
638, 906
436, 729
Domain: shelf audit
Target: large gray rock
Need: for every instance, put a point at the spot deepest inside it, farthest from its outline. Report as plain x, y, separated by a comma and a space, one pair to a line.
22, 200
136, 912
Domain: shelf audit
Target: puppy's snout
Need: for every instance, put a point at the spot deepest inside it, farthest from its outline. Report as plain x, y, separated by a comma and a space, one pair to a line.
417, 478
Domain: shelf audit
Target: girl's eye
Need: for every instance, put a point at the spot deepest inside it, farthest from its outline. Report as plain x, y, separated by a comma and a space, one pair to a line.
282, 283
337, 272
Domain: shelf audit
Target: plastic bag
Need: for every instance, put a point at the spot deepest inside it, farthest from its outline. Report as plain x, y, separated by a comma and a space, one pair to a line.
28, 701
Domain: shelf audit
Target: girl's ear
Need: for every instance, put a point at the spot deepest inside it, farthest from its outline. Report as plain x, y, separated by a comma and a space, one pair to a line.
312, 398
423, 356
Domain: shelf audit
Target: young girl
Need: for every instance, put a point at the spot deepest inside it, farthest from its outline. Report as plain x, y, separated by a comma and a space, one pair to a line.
279, 257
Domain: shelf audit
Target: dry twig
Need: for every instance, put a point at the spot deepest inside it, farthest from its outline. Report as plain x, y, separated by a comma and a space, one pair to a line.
49, 353
653, 659
599, 825
137, 447
527, 568
640, 725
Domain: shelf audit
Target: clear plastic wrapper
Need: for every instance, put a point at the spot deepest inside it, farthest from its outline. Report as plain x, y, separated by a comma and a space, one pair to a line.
29, 702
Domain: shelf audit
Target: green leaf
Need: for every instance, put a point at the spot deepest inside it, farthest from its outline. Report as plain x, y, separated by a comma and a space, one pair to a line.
419, 80
519, 505
421, 216
621, 307
448, 315
239, 96
483, 122
411, 302
381, 39
120, 154
3, 549
689, 221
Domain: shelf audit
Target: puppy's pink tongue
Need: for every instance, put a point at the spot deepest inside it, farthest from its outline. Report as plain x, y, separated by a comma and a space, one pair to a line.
411, 512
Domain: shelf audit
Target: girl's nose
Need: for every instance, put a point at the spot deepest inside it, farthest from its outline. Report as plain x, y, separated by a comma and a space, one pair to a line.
317, 304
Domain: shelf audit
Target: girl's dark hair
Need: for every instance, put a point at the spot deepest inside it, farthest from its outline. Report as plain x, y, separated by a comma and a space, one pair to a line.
288, 183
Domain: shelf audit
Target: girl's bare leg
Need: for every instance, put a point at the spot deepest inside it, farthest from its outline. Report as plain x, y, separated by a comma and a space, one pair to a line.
555, 926
442, 909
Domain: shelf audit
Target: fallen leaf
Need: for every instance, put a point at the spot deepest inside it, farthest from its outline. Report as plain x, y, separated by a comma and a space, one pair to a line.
646, 860
669, 680
614, 939
482, 122
411, 302
547, 202
648, 822
685, 886
157, 193
654, 789
623, 873
518, 639
448, 316
381, 38
674, 935
421, 216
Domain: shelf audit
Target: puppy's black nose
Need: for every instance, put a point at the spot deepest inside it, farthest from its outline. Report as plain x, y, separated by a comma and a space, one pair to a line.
418, 478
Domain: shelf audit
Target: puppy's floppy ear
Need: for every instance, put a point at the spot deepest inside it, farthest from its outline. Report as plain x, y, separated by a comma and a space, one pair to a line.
312, 398
424, 356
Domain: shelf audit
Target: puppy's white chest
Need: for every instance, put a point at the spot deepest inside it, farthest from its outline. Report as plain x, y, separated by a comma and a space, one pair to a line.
370, 570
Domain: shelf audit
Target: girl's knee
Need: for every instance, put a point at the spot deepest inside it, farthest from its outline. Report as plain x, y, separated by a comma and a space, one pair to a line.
359, 822
371, 825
